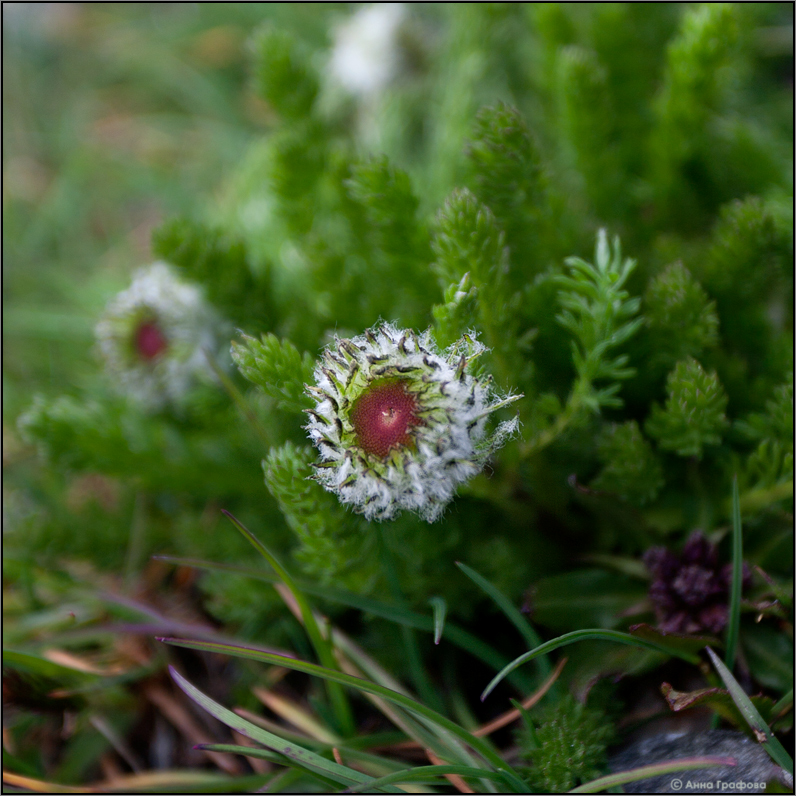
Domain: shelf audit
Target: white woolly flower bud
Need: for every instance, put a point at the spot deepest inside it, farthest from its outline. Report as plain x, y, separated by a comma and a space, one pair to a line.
399, 425
154, 335
366, 55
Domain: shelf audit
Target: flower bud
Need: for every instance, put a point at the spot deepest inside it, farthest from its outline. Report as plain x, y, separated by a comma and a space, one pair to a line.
399, 424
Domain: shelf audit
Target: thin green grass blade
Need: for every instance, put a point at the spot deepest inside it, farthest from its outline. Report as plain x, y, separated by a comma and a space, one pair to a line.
440, 608
530, 635
653, 770
342, 709
783, 705
393, 613
478, 744
262, 754
429, 736
530, 729
734, 621
768, 740
432, 774
352, 747
583, 635
515, 783
314, 763
282, 781
271, 757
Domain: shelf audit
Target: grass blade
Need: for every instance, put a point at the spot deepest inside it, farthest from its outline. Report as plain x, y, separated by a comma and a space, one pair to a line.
248, 751
770, 743
653, 770
296, 716
734, 621
512, 613
478, 744
266, 754
783, 705
520, 707
582, 635
313, 762
392, 613
440, 608
430, 774
378, 766
356, 662
515, 783
342, 709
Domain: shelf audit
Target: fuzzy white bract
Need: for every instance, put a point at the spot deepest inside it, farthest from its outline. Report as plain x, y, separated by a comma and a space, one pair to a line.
366, 55
399, 424
154, 335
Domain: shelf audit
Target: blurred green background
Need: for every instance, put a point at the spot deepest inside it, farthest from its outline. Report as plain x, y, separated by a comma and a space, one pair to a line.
121, 116
117, 116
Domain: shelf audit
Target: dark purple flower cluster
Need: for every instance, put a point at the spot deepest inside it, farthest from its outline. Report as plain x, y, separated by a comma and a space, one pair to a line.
690, 592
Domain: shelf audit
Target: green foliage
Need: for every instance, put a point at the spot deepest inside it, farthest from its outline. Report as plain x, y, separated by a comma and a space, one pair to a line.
776, 423
277, 368
599, 315
467, 239
283, 75
586, 113
681, 319
630, 467
395, 243
69, 429
508, 178
748, 269
390, 206
220, 263
469, 248
568, 746
771, 463
460, 311
693, 91
186, 452
749, 245
333, 544
694, 413
298, 160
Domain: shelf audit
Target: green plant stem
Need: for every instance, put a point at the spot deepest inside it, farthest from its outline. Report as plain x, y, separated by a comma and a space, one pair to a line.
733, 624
571, 411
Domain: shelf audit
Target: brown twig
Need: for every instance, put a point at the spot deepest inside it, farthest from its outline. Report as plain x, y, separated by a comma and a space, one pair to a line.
454, 779
514, 714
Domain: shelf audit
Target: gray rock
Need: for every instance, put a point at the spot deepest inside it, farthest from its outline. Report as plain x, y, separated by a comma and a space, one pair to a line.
753, 769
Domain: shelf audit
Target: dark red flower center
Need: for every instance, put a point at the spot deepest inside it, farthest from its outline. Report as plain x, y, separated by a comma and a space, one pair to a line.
150, 341
383, 418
